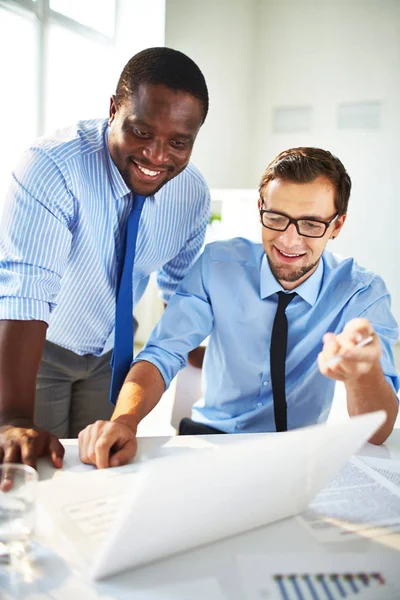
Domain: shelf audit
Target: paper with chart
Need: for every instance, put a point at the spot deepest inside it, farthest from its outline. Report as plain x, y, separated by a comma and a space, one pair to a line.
358, 501
317, 576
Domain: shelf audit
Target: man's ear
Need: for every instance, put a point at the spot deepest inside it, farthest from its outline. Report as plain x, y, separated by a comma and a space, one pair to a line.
260, 205
113, 109
337, 226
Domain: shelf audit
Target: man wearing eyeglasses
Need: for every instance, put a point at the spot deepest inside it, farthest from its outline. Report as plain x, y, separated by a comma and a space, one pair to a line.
285, 320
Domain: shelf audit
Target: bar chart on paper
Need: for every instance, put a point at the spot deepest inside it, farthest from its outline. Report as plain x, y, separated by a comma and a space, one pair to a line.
318, 577
326, 586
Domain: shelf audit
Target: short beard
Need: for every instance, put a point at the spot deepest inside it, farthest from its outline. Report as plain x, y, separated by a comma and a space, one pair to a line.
280, 273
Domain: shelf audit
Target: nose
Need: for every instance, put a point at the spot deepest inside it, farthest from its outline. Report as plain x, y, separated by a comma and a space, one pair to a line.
156, 152
290, 237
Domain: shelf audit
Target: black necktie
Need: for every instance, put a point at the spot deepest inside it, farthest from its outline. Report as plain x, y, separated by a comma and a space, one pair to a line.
278, 360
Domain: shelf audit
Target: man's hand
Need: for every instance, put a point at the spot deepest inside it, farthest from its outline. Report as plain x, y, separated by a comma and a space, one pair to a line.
26, 443
107, 444
354, 362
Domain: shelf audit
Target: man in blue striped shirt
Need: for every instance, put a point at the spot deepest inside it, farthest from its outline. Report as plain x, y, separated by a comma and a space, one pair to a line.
231, 295
69, 200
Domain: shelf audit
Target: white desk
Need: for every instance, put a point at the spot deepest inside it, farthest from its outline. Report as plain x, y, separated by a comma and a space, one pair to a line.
53, 577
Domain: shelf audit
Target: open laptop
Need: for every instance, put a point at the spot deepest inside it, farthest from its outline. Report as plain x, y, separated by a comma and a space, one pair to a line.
121, 518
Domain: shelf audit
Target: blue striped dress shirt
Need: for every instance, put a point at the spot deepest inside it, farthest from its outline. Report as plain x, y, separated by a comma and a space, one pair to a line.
231, 295
60, 236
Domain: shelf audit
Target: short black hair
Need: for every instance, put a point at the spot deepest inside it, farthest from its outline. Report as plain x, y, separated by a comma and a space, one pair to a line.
163, 66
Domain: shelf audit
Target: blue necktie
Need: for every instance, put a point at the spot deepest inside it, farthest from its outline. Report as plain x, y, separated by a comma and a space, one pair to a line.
123, 337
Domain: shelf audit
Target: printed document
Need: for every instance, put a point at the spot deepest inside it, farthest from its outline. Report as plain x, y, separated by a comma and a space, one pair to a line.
359, 500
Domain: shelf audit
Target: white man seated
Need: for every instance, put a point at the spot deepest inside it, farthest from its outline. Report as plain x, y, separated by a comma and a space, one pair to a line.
231, 295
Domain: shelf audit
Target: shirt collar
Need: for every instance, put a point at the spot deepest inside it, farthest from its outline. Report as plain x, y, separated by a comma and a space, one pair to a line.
119, 187
308, 290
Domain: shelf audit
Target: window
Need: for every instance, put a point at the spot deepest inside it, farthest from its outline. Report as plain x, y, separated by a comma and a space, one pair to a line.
61, 60
96, 14
18, 100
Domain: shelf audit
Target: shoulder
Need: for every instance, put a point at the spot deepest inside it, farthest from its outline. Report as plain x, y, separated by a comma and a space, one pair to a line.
193, 175
79, 140
236, 250
346, 272
51, 163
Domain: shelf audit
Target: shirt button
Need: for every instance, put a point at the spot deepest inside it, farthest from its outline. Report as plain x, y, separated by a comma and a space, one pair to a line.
265, 382
259, 403
238, 427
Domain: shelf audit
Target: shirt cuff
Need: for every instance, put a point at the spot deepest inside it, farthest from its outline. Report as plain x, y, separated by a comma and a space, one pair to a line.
393, 381
167, 372
24, 309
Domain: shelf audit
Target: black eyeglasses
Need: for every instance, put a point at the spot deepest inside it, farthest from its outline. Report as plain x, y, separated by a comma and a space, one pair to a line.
306, 227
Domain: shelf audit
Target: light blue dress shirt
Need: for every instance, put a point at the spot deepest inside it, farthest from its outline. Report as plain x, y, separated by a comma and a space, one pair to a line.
60, 236
231, 295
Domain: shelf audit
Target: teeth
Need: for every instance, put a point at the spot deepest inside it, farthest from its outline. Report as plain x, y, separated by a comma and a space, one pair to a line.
289, 255
148, 172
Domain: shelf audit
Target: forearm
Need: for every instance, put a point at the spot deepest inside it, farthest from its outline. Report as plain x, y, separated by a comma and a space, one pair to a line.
140, 393
21, 348
372, 392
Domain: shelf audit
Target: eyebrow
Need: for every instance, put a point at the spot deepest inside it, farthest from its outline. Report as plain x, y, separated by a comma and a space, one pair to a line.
132, 121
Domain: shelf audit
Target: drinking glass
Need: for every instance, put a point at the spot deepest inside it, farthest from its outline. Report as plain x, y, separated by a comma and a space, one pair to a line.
17, 509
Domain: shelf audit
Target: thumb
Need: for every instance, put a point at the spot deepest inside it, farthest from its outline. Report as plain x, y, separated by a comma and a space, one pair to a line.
57, 451
123, 455
329, 338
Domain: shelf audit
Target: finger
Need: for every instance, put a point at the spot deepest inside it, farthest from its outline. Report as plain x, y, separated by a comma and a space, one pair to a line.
369, 349
83, 438
331, 345
350, 341
91, 447
57, 451
6, 480
359, 328
359, 359
328, 337
94, 433
334, 371
102, 453
28, 451
110, 437
12, 452
330, 351
125, 454
353, 367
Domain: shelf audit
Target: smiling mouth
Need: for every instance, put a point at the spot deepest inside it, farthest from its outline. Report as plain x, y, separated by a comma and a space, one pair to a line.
147, 174
289, 256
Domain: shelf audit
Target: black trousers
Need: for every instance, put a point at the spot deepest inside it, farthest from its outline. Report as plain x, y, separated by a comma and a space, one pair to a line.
189, 427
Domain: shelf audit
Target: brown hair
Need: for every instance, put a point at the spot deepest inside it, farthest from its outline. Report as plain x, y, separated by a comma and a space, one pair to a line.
303, 165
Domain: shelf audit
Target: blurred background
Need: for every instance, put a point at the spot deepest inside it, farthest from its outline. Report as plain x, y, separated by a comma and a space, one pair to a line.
281, 73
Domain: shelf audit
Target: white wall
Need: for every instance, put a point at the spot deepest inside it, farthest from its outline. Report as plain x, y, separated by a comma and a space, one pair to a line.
321, 54
219, 36
262, 54
139, 25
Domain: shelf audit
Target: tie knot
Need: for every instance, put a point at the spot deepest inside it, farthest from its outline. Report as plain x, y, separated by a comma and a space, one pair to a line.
285, 299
